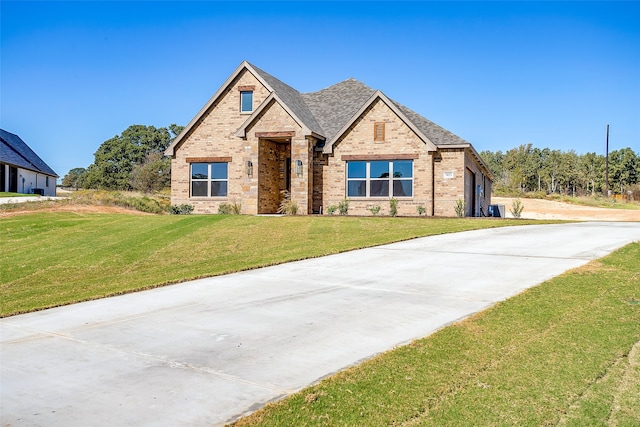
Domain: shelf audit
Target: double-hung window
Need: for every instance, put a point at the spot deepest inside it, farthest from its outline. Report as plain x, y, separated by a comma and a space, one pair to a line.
380, 178
209, 179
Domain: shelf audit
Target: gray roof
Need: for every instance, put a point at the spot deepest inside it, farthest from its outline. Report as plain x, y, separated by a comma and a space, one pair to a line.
293, 99
327, 111
437, 134
16, 152
336, 105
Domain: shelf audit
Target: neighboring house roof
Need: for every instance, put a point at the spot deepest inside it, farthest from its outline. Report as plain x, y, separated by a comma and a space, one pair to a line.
16, 152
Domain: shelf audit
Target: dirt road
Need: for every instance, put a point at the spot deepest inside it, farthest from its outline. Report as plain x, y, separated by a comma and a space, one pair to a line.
547, 209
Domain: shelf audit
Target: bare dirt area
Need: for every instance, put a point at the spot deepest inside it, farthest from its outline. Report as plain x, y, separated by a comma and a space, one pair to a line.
548, 209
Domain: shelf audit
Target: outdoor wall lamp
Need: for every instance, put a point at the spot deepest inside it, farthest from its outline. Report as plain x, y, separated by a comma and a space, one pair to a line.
249, 168
299, 167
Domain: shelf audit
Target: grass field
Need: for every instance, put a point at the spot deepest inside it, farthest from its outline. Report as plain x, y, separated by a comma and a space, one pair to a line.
56, 258
6, 194
563, 353
566, 352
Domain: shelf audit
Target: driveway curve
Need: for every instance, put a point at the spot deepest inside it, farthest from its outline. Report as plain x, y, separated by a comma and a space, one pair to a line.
209, 351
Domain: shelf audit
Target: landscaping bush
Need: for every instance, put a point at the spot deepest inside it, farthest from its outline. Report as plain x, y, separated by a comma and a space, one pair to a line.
230, 208
516, 208
183, 209
375, 210
459, 208
393, 207
287, 205
343, 207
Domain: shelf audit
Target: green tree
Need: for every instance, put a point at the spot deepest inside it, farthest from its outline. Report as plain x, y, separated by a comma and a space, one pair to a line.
571, 168
592, 172
116, 158
554, 171
539, 160
72, 178
175, 130
623, 169
153, 174
495, 163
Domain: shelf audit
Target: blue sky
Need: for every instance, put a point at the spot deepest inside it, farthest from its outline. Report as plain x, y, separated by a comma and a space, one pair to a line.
498, 74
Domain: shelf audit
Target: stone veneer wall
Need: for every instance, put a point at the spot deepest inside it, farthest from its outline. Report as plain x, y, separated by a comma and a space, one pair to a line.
295, 146
359, 140
322, 181
214, 136
449, 180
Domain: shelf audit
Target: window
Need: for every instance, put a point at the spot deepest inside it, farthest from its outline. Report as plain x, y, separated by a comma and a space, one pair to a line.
246, 101
46, 181
209, 179
377, 178
378, 131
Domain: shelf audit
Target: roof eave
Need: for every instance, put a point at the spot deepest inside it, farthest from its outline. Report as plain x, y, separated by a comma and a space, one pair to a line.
242, 131
328, 148
170, 151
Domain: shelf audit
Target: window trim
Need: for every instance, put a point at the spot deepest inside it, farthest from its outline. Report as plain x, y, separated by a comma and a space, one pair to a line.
209, 180
242, 92
391, 179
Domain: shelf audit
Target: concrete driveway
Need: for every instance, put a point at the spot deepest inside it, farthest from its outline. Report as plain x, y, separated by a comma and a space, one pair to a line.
206, 352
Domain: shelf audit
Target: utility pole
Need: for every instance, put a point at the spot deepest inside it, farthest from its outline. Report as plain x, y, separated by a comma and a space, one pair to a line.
607, 162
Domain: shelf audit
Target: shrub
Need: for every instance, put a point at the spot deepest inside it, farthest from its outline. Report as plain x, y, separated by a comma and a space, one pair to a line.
393, 207
375, 210
516, 208
287, 205
421, 210
331, 210
459, 208
183, 209
230, 208
343, 207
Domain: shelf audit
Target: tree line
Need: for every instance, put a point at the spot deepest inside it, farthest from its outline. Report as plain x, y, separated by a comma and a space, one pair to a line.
531, 169
133, 160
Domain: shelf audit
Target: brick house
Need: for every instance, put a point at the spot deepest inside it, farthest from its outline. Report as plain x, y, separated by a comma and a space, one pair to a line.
257, 137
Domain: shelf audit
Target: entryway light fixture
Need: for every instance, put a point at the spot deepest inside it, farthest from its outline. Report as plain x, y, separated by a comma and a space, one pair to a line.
299, 167
249, 168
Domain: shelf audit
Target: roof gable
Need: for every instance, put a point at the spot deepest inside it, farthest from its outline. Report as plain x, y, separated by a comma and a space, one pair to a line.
15, 151
328, 113
288, 96
336, 105
377, 95
292, 100
242, 131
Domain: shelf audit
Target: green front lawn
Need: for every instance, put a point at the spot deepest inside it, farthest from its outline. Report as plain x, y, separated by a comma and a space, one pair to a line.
50, 259
5, 194
566, 352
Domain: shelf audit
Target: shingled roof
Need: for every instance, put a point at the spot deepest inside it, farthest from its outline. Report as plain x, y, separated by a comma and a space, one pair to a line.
334, 106
16, 152
293, 99
329, 111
